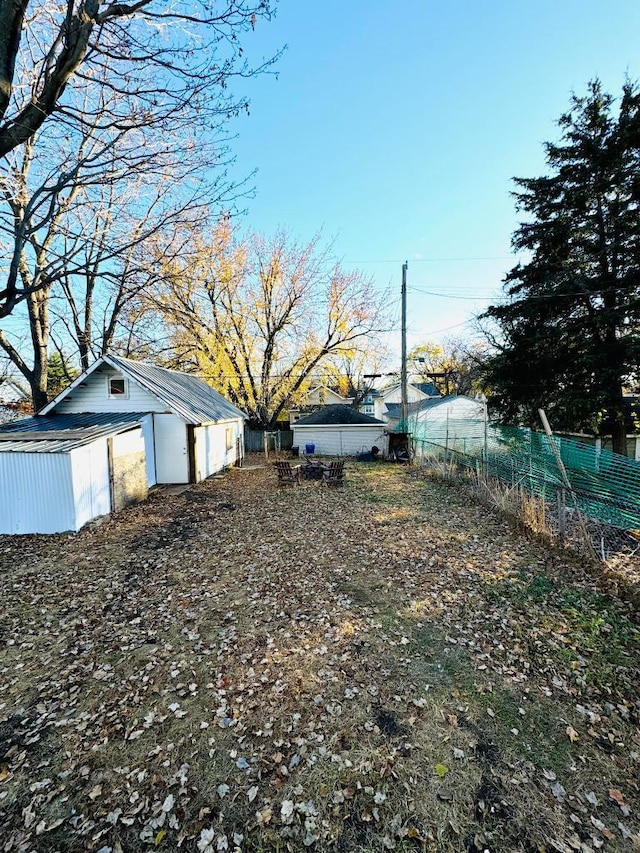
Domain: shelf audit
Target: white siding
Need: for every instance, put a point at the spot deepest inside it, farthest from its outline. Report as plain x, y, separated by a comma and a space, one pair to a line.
92, 395
340, 440
90, 477
457, 424
128, 442
211, 450
324, 397
394, 395
36, 493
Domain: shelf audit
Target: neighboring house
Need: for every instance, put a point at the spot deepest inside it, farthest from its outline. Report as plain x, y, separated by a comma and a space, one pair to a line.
375, 401
339, 430
315, 399
121, 427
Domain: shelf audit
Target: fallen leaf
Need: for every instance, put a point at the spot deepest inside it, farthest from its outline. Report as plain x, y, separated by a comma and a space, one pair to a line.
617, 795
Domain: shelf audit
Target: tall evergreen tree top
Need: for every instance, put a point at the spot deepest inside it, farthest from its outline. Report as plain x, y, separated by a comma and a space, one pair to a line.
570, 326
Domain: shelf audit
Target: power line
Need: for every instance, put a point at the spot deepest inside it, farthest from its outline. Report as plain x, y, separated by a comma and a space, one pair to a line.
446, 329
438, 260
452, 295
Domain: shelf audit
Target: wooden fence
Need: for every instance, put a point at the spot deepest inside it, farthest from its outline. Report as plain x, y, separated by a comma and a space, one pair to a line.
254, 439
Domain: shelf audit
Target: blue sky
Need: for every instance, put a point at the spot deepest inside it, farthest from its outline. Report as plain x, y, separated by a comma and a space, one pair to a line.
396, 129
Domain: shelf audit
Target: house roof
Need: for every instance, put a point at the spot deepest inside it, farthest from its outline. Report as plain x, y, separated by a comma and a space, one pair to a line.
337, 414
427, 388
188, 396
62, 433
329, 391
393, 409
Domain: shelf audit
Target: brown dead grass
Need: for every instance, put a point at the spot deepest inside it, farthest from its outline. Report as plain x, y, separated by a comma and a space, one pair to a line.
384, 666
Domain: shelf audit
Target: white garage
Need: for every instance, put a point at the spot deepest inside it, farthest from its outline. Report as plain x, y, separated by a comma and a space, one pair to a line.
339, 431
193, 431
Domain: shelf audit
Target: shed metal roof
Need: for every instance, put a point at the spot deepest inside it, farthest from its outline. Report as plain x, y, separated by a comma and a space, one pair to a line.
63, 433
394, 409
191, 397
188, 396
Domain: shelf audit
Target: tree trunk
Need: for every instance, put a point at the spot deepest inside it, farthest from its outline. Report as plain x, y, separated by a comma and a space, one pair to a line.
619, 433
38, 393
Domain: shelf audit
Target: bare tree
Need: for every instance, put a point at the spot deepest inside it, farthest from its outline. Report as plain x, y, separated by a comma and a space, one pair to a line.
257, 317
74, 232
165, 55
161, 69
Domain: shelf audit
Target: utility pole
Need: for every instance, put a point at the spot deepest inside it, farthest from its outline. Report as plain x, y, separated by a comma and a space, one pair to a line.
404, 411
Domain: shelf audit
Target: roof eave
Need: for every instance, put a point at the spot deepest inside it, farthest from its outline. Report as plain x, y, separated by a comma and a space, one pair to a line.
77, 381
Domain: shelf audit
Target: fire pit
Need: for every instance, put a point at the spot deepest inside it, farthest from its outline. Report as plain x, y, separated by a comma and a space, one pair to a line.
312, 470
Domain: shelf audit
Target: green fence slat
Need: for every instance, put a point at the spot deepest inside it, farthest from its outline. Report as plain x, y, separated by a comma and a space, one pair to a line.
605, 486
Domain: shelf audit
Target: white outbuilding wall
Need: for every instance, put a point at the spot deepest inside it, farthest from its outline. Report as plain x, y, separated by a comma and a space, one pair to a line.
340, 439
93, 396
54, 492
456, 423
216, 447
90, 482
49, 508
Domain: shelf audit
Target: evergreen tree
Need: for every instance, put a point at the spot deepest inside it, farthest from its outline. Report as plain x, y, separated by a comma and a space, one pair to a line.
570, 326
60, 374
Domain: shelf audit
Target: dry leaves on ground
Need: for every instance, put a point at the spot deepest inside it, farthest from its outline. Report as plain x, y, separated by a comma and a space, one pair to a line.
243, 667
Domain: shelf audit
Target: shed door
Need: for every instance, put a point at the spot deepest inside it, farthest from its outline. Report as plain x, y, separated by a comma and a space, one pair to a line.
172, 459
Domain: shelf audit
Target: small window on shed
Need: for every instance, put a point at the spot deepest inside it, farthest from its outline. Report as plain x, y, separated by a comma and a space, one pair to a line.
229, 438
117, 386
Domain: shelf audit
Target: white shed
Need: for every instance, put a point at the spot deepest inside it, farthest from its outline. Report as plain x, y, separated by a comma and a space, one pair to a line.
58, 473
193, 430
121, 427
339, 431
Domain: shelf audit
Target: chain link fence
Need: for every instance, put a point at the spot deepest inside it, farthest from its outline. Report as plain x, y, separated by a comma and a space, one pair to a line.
580, 495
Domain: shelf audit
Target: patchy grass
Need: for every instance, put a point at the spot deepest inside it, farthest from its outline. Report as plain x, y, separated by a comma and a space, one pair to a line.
386, 666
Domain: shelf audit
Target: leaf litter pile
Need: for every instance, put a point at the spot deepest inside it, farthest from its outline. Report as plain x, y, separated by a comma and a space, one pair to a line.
387, 666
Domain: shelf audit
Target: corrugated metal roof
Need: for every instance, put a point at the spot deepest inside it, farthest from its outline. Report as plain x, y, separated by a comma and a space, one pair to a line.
66, 431
192, 398
393, 409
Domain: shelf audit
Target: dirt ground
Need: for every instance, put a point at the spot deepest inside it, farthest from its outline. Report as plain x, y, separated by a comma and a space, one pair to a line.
246, 667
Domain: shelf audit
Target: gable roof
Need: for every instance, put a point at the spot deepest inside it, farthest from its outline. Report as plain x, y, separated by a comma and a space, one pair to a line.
329, 391
337, 414
394, 409
427, 388
188, 396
